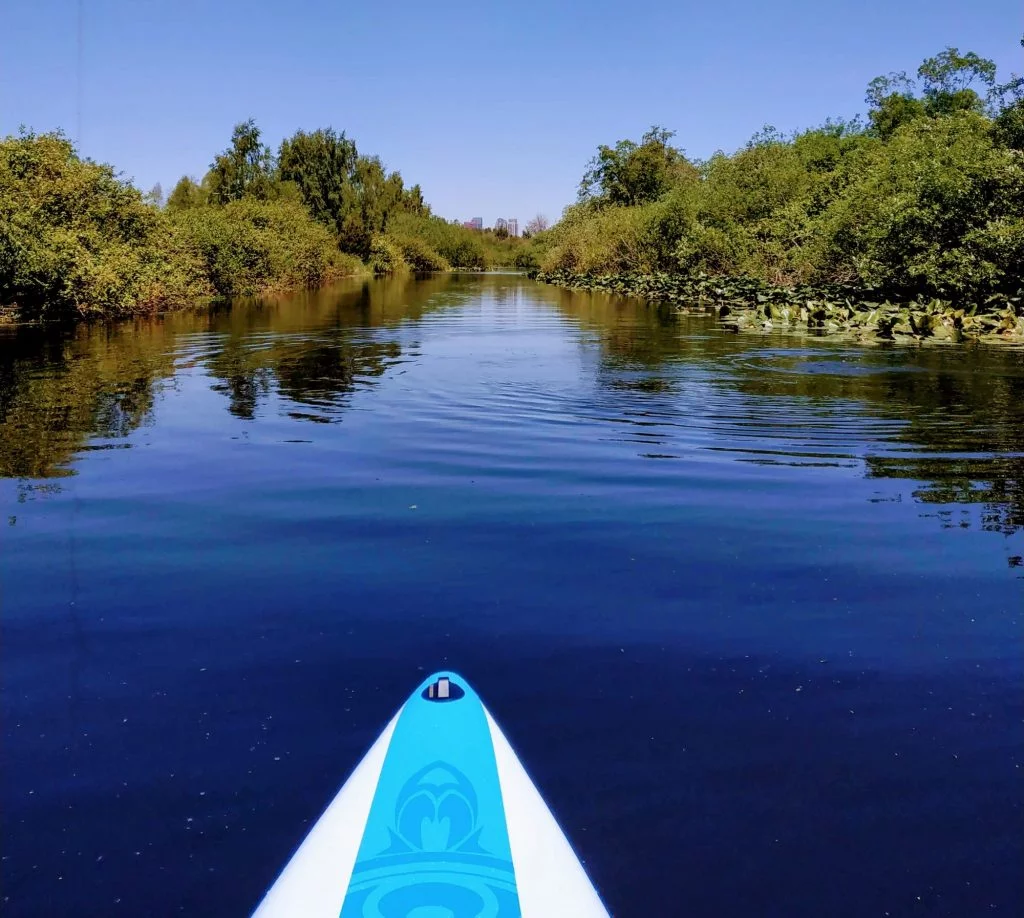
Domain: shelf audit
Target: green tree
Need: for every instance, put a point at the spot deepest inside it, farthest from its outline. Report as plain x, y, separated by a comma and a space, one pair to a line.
892, 102
634, 173
950, 73
243, 170
373, 198
937, 210
321, 165
186, 194
945, 84
1007, 102
413, 202
352, 194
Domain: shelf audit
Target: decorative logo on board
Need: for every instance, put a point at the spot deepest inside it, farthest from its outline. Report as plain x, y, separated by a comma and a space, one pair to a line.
434, 866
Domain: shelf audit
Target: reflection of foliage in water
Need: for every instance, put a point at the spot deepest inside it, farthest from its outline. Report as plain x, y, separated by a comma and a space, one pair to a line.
951, 421
58, 390
63, 390
316, 348
996, 483
956, 415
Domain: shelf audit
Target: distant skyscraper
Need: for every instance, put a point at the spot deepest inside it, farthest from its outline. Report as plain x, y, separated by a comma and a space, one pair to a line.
501, 224
513, 226
477, 223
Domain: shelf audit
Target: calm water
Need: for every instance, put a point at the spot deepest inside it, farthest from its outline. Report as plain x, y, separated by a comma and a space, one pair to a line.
749, 608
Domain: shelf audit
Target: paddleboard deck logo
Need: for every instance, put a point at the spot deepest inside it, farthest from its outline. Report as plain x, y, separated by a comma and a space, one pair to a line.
434, 862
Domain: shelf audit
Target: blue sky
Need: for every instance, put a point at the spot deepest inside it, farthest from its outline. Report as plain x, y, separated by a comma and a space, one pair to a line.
493, 108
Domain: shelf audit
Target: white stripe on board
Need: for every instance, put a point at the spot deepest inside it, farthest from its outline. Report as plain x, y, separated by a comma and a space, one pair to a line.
315, 881
549, 877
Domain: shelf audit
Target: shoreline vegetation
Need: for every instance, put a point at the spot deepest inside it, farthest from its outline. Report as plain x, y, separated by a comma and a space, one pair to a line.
907, 225
79, 241
749, 305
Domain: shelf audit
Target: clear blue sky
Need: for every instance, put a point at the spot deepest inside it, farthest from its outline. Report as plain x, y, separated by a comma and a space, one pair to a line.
494, 108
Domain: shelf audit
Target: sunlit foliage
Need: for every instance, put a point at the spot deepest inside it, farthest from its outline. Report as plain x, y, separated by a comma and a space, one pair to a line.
75, 238
924, 199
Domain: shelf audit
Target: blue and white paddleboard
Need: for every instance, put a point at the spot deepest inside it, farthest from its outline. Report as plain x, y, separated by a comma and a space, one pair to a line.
439, 820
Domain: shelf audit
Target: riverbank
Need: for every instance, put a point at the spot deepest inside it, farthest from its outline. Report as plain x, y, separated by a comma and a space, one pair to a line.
905, 225
77, 240
746, 304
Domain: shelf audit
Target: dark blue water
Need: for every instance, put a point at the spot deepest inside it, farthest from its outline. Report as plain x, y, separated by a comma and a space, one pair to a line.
749, 608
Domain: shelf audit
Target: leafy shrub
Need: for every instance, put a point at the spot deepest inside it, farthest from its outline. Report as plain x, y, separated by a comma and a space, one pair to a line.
248, 246
935, 210
75, 239
420, 256
385, 255
460, 246
924, 200
605, 241
525, 259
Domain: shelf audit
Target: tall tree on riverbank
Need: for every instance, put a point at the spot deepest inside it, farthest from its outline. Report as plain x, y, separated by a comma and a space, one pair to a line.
635, 173
945, 84
186, 193
352, 194
243, 170
320, 164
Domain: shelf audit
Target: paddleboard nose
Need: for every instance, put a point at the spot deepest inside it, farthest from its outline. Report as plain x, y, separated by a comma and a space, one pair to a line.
439, 818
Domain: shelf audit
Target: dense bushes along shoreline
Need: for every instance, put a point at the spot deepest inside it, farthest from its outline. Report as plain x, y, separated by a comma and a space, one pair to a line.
78, 240
921, 205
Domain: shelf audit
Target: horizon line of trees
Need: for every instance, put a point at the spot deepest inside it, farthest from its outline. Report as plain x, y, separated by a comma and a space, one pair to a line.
923, 198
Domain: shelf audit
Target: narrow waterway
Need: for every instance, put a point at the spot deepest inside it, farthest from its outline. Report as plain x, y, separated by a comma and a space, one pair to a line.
749, 608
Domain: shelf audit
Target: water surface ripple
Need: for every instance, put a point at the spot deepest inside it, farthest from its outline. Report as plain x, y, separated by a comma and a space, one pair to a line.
749, 607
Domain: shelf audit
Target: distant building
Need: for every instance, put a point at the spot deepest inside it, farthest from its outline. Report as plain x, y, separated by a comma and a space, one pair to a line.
500, 224
513, 226
477, 223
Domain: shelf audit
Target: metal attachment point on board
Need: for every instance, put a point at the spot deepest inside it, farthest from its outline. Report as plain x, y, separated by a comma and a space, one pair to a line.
443, 690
